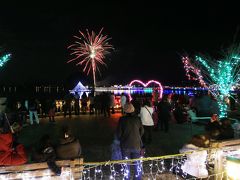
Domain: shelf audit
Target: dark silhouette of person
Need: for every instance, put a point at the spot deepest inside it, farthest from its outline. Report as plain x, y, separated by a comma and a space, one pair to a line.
164, 114
129, 132
76, 103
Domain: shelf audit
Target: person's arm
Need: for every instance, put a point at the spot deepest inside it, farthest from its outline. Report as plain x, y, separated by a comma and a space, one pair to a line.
141, 129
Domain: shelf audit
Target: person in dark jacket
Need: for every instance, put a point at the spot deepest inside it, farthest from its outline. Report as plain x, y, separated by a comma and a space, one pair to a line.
213, 127
46, 153
129, 132
226, 131
69, 147
164, 114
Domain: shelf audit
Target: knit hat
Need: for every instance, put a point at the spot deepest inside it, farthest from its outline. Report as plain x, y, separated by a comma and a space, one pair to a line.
128, 108
214, 118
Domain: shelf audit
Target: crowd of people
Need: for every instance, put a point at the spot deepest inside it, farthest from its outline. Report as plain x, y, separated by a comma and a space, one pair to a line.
140, 118
134, 132
14, 153
14, 117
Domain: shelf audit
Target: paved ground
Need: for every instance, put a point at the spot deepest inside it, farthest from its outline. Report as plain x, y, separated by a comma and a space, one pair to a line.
96, 134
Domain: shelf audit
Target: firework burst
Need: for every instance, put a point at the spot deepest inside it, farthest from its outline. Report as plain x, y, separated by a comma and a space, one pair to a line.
90, 50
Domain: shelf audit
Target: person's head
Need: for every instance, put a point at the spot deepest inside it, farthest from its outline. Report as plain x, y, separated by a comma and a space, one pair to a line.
45, 141
128, 108
214, 118
226, 122
146, 102
200, 141
165, 98
65, 132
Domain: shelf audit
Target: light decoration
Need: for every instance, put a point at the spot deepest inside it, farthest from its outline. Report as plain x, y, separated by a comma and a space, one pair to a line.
233, 166
5, 58
160, 88
193, 73
90, 50
219, 76
233, 170
162, 167
47, 175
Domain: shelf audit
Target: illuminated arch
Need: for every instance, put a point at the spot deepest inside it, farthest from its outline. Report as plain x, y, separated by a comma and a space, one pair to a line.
160, 90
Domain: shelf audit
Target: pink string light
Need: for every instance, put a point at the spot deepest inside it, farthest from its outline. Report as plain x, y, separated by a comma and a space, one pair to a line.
193, 73
160, 89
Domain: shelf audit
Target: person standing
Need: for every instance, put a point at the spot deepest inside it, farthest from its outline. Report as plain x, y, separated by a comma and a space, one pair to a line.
123, 101
76, 103
164, 114
129, 132
51, 112
84, 100
92, 103
106, 104
33, 111
147, 121
67, 105
112, 103
22, 114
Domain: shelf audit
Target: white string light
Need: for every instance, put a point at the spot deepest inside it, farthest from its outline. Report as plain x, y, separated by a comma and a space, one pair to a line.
149, 168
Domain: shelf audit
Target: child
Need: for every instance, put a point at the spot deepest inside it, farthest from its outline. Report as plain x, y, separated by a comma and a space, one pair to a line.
116, 149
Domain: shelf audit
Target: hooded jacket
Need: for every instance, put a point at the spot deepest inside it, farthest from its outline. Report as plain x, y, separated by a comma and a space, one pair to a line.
129, 132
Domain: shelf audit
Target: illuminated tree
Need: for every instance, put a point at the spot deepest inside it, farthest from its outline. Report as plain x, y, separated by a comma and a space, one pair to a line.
4, 59
220, 76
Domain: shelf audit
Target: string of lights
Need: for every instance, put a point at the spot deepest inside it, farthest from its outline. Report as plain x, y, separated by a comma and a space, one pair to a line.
193, 73
164, 167
219, 76
151, 167
136, 81
3, 59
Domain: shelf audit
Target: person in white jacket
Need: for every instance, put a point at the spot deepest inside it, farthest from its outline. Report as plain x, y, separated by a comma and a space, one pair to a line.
147, 121
195, 165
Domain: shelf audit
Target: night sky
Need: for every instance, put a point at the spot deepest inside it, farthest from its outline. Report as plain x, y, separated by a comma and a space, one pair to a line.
149, 38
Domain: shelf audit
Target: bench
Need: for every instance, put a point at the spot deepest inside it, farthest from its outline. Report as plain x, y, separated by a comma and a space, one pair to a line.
71, 169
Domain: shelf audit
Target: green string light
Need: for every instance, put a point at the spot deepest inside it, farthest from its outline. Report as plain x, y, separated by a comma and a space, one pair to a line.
4, 59
224, 74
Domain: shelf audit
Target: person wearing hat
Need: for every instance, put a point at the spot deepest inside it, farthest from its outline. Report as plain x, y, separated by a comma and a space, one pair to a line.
129, 132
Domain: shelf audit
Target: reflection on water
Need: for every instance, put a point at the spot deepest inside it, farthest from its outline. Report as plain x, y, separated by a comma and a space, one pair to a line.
133, 91
140, 91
